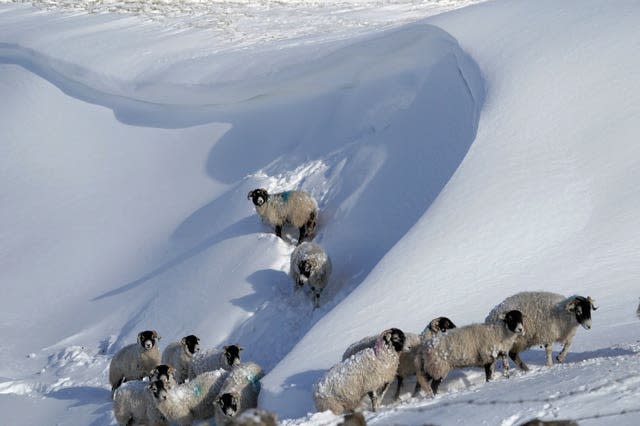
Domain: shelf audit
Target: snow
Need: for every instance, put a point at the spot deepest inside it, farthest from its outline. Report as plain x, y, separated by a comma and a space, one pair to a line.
457, 158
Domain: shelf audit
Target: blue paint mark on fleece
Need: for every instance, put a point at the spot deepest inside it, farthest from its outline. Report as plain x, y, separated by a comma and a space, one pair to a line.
197, 390
285, 195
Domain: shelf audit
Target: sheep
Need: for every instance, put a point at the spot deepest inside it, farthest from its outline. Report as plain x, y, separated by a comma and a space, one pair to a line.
214, 359
406, 365
135, 361
179, 355
548, 318
473, 345
134, 404
367, 372
164, 372
297, 208
310, 264
239, 392
193, 400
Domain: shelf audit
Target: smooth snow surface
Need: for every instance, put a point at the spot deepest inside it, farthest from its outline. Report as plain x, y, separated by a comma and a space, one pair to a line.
457, 158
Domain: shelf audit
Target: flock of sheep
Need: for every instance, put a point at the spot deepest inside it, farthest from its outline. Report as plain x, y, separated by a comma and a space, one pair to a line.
185, 384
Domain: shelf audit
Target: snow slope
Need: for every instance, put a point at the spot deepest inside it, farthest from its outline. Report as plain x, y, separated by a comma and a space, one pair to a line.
454, 163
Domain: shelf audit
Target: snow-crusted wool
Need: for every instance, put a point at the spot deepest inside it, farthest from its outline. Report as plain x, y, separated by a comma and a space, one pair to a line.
310, 265
214, 359
135, 361
367, 372
179, 354
475, 345
239, 392
189, 401
133, 403
297, 208
548, 318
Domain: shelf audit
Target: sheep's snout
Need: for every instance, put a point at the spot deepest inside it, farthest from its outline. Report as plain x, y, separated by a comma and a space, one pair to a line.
586, 324
148, 344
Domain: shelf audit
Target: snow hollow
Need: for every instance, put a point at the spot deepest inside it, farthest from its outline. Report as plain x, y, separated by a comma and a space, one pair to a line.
457, 159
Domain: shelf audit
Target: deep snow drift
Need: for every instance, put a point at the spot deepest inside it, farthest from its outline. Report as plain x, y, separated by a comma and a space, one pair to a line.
456, 160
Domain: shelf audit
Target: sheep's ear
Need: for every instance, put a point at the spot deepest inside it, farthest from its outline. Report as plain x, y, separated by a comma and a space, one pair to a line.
156, 335
140, 337
571, 306
592, 303
183, 341
240, 348
502, 316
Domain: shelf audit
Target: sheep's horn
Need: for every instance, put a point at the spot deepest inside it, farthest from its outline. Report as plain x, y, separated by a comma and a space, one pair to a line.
593, 303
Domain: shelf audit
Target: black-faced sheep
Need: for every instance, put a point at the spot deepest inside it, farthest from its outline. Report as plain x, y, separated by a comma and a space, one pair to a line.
189, 401
164, 372
367, 372
239, 392
475, 345
134, 404
406, 365
297, 208
179, 355
213, 359
310, 265
548, 318
135, 361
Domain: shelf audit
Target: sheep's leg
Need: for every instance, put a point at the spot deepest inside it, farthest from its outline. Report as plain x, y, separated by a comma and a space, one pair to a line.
515, 356
423, 379
303, 233
434, 385
488, 371
374, 400
548, 348
416, 389
505, 364
381, 392
563, 353
400, 380
279, 230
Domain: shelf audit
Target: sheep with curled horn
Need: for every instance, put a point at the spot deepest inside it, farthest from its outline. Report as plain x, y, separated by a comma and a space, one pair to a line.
548, 318
135, 361
297, 208
213, 359
474, 345
179, 354
367, 372
134, 404
310, 265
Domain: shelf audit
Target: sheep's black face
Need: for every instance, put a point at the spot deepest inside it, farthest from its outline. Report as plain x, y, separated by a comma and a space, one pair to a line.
305, 268
513, 319
443, 324
232, 354
158, 389
229, 404
582, 310
148, 339
192, 343
395, 337
164, 373
258, 196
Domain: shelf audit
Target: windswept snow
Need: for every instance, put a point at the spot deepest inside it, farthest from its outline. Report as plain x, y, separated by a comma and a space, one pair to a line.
456, 159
